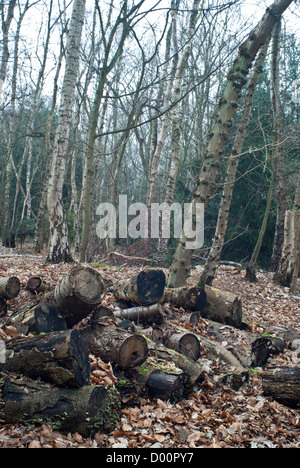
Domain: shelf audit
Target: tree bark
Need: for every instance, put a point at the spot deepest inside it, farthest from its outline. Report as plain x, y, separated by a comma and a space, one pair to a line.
223, 307
115, 345
59, 250
9, 287
193, 299
283, 384
144, 289
285, 270
60, 358
143, 315
86, 410
219, 135
296, 212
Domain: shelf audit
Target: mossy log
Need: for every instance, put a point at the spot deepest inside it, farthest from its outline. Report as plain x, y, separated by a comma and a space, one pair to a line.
9, 287
60, 358
144, 289
86, 410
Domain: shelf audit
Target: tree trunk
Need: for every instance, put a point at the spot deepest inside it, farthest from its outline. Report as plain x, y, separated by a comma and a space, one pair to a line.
278, 148
219, 135
43, 318
86, 410
9, 287
284, 273
115, 345
60, 358
296, 212
6, 23
284, 385
59, 250
144, 289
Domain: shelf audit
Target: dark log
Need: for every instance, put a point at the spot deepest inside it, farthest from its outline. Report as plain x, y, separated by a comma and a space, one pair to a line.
161, 379
43, 318
193, 299
3, 308
287, 334
60, 358
223, 307
33, 284
9, 287
144, 289
78, 294
185, 343
100, 312
115, 345
251, 273
150, 315
86, 410
283, 385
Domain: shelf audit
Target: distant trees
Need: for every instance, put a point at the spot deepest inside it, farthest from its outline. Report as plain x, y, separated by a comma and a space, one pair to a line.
108, 99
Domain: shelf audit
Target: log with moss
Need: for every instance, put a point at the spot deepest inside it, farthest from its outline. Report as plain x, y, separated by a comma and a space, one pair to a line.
86, 410
60, 358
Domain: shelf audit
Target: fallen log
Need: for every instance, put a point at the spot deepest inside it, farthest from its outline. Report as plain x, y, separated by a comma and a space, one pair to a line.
153, 314
3, 308
43, 318
162, 380
185, 343
9, 287
77, 294
115, 345
283, 385
193, 299
60, 358
33, 284
86, 410
146, 288
223, 307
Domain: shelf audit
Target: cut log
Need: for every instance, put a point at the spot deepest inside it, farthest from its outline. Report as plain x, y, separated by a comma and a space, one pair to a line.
9, 287
3, 308
143, 315
144, 289
185, 343
251, 273
283, 385
115, 345
86, 410
78, 294
193, 299
223, 307
162, 379
60, 358
43, 318
33, 284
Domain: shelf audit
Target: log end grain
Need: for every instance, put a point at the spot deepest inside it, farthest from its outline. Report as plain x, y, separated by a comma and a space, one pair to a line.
10, 287
150, 286
87, 284
133, 351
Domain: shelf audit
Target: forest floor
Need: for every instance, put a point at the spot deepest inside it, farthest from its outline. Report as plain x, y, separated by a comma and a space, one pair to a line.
212, 416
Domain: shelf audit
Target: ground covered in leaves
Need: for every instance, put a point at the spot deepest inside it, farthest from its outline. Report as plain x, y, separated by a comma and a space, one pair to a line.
213, 415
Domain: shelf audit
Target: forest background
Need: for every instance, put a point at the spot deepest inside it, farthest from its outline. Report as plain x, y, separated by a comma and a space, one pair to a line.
144, 91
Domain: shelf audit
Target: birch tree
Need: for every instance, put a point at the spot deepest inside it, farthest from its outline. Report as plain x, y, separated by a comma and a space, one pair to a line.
59, 250
219, 135
6, 20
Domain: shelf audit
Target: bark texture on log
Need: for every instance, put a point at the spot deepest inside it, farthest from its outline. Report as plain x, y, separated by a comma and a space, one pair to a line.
153, 314
78, 294
60, 358
193, 299
86, 410
283, 385
223, 307
144, 289
43, 318
115, 345
9, 287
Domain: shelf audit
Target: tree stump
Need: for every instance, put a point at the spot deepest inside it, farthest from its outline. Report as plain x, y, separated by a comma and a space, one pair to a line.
9, 287
86, 410
115, 345
283, 385
144, 289
60, 358
251, 273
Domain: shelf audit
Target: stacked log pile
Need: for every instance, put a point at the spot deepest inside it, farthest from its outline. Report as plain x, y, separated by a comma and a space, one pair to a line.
45, 375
